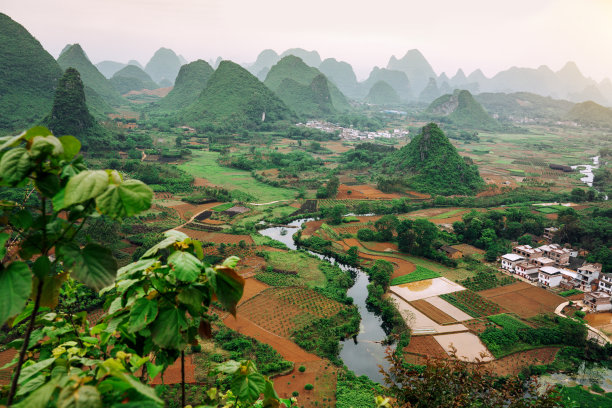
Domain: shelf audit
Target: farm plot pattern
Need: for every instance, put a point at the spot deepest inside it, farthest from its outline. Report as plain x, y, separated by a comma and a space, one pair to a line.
283, 310
523, 299
471, 303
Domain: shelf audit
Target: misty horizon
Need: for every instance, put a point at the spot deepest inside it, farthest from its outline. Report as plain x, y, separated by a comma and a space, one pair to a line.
469, 36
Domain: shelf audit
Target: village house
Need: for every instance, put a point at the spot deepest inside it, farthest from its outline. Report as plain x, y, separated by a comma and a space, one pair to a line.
527, 251
549, 276
527, 270
605, 283
586, 275
557, 253
509, 261
598, 301
549, 233
451, 252
543, 261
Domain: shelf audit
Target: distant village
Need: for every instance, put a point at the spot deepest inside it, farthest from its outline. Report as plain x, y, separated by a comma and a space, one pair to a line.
353, 134
553, 266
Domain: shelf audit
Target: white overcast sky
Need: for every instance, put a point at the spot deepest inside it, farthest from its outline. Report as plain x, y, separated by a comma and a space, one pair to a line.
489, 34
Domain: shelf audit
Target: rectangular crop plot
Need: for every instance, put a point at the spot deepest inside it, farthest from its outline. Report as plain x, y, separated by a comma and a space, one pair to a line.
432, 312
508, 321
471, 303
425, 288
421, 273
523, 299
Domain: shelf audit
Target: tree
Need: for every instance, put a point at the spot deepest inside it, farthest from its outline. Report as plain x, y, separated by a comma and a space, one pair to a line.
335, 213
385, 226
332, 187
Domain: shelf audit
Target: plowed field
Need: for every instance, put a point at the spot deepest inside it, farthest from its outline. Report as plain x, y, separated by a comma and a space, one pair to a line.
432, 312
523, 299
216, 237
363, 192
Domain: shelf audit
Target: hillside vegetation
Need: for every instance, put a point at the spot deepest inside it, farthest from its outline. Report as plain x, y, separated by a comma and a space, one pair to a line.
190, 82
132, 78
28, 77
432, 165
382, 93
590, 114
311, 94
70, 116
93, 80
234, 98
461, 109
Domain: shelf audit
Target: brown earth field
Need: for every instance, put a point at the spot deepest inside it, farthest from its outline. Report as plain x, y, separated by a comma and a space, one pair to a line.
401, 266
363, 192
425, 346
216, 237
252, 287
321, 374
523, 299
467, 249
250, 265
432, 312
311, 228
187, 211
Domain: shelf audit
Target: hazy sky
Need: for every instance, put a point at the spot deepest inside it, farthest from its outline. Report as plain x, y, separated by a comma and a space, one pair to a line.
489, 34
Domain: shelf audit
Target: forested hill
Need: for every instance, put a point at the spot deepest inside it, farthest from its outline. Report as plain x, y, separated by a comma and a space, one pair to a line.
28, 77
382, 93
294, 69
431, 164
190, 82
70, 116
234, 98
590, 114
461, 109
93, 80
132, 78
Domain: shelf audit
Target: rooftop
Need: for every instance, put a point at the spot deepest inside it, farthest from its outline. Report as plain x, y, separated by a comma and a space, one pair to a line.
512, 257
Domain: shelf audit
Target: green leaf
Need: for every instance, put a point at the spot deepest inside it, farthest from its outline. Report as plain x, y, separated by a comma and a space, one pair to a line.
31, 370
85, 396
185, 266
48, 184
192, 298
8, 141
22, 219
85, 186
172, 236
248, 387
140, 387
39, 398
153, 370
71, 146
228, 367
125, 200
43, 145
50, 290
4, 237
165, 330
41, 267
31, 385
229, 287
15, 165
143, 312
231, 262
58, 200
15, 288
137, 266
94, 266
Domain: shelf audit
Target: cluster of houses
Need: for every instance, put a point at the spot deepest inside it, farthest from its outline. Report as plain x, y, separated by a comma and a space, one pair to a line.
354, 134
548, 266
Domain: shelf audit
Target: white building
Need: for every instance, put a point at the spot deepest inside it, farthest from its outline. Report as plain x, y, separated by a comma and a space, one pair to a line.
605, 283
586, 275
509, 261
598, 301
527, 270
549, 276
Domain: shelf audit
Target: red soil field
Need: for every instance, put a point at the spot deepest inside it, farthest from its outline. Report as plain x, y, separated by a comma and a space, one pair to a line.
514, 363
311, 228
363, 192
432, 312
252, 287
249, 266
288, 349
425, 346
401, 266
324, 381
523, 299
216, 237
187, 211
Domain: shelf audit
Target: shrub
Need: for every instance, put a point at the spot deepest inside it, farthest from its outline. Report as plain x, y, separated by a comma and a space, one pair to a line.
308, 387
196, 348
580, 313
295, 393
302, 369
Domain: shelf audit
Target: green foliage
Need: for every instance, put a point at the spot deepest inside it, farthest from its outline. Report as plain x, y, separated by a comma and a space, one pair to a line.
190, 82
590, 113
132, 78
471, 303
570, 292
304, 89
419, 274
29, 77
301, 369
356, 392
462, 110
381, 93
433, 165
308, 387
508, 321
233, 98
579, 397
74, 57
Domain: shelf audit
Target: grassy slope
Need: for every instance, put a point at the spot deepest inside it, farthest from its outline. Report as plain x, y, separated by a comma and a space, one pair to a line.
203, 164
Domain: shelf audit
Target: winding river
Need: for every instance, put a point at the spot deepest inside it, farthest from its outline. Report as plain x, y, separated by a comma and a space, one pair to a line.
587, 172
363, 353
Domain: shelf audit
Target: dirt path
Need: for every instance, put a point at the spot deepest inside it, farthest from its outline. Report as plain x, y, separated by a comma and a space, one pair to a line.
288, 349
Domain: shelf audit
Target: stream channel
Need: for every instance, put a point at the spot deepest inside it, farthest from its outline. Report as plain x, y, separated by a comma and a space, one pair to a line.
363, 353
